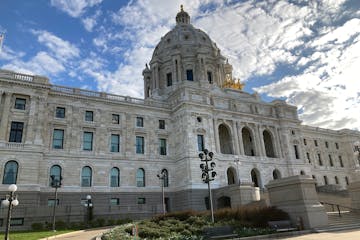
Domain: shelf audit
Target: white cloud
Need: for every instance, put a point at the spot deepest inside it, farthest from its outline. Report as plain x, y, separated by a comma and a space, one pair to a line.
75, 8
90, 22
60, 48
40, 64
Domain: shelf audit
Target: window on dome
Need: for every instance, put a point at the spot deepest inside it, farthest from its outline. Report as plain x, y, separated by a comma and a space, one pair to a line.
169, 79
209, 75
189, 75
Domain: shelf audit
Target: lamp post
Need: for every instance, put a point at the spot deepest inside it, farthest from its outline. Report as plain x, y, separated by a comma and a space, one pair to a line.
10, 201
208, 174
89, 207
162, 177
55, 183
357, 150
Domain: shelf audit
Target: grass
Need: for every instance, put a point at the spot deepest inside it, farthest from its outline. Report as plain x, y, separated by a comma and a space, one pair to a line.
33, 235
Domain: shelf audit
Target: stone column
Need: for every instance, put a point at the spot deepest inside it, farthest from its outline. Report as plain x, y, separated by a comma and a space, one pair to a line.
41, 121
277, 144
301, 201
216, 136
259, 143
30, 126
5, 117
241, 143
354, 192
236, 137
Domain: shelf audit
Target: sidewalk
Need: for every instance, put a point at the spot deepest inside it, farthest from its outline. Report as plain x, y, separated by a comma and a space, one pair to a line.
353, 234
88, 234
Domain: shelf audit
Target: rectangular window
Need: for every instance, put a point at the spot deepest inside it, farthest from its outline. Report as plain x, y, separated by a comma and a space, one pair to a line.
51, 202
200, 142
140, 145
169, 79
89, 116
88, 141
337, 145
17, 221
305, 143
20, 103
341, 161
296, 152
189, 75
115, 143
162, 147
331, 161
115, 119
319, 158
60, 112
308, 157
316, 143
141, 200
161, 124
326, 144
16, 132
58, 139
325, 180
114, 201
209, 76
139, 122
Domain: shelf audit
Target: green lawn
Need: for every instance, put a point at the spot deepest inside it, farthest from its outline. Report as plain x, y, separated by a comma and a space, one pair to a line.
33, 235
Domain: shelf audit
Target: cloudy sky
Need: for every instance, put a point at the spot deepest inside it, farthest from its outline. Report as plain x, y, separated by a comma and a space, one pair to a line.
306, 52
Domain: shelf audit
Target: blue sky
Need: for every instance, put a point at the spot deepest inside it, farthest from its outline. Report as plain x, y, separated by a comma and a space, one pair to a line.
306, 52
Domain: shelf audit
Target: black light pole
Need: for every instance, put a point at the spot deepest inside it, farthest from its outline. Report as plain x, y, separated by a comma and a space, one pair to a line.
89, 207
208, 174
10, 201
55, 183
162, 177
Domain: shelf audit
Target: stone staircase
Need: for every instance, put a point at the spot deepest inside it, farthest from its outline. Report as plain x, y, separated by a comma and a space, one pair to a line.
345, 221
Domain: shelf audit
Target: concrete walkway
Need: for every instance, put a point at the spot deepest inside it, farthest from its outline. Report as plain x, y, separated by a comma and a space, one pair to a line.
79, 235
341, 235
353, 234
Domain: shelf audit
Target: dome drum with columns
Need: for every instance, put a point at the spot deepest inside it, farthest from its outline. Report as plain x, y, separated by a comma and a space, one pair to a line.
186, 54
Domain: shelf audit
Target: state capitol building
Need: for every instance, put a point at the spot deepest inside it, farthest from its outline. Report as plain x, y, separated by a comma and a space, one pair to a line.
113, 147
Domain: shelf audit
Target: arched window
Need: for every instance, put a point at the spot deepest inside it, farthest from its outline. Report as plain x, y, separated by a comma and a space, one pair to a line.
10, 172
55, 171
268, 142
225, 140
302, 172
86, 177
140, 178
325, 180
276, 174
115, 177
255, 177
231, 176
166, 177
336, 180
248, 142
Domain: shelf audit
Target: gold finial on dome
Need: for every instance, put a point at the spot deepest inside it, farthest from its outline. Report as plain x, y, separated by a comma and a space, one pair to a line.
182, 17
234, 84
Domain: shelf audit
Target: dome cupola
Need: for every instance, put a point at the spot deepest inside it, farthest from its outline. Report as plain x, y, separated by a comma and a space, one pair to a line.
182, 17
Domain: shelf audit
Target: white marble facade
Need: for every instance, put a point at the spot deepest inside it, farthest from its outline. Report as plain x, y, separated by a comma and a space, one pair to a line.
183, 89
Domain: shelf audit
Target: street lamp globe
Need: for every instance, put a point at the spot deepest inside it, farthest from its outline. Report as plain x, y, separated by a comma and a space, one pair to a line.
15, 202
5, 203
12, 188
88, 197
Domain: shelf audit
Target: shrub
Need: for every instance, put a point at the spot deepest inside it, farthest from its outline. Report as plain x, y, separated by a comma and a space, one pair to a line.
60, 225
37, 226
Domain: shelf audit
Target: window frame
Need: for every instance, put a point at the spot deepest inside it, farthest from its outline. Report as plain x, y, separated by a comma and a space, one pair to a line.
190, 75
20, 106
16, 132
15, 173
169, 79
59, 114
115, 118
139, 122
88, 142
140, 180
162, 147
117, 184
200, 144
115, 146
89, 116
58, 139
83, 177
162, 124
139, 144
